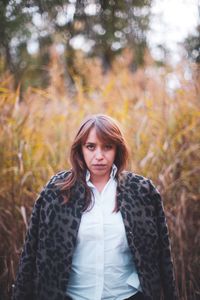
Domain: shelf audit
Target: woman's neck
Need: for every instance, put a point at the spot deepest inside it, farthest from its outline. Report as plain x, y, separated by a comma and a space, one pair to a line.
99, 183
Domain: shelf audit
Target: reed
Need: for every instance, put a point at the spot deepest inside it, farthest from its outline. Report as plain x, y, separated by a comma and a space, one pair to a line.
162, 129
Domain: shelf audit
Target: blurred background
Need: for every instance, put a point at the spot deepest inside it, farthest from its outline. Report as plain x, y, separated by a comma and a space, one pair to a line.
136, 60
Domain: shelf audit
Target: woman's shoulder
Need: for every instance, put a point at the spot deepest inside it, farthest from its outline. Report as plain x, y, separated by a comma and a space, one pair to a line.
137, 181
130, 176
58, 177
53, 184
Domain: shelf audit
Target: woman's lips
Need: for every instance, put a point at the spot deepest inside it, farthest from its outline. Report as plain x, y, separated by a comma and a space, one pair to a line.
99, 166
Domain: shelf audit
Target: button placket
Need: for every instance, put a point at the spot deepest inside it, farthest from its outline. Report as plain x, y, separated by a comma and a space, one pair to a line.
99, 276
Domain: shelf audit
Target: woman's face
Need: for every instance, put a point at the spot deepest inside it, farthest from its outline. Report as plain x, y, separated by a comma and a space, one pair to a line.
99, 156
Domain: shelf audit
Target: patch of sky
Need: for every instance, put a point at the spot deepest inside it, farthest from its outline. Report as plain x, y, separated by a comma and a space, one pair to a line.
92, 9
99, 29
80, 42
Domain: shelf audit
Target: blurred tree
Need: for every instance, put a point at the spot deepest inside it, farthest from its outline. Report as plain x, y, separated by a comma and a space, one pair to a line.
110, 26
13, 33
192, 45
17, 31
99, 28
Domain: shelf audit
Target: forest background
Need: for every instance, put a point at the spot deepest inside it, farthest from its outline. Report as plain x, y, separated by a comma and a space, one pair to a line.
48, 86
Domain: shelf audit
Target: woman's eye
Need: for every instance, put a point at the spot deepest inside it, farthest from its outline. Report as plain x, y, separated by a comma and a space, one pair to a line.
108, 147
90, 147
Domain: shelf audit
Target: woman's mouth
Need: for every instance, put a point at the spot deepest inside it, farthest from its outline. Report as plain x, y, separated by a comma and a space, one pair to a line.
99, 166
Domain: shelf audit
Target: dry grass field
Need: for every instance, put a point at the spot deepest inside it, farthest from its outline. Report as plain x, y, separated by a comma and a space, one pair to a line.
162, 129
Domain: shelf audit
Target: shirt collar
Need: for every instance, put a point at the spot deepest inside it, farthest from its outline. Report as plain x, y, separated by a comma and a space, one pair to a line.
112, 173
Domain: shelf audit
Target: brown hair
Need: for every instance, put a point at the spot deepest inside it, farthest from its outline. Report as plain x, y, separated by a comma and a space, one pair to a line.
107, 130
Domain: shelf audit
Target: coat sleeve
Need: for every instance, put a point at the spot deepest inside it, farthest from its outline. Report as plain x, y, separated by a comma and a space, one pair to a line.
23, 289
166, 264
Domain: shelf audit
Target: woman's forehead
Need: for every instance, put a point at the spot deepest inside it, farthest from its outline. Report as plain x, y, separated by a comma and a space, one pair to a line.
97, 135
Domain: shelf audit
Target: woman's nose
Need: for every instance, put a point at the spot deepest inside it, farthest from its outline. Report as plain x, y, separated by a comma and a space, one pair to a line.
99, 154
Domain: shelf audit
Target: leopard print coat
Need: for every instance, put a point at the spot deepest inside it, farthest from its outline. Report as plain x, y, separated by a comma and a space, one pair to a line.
46, 258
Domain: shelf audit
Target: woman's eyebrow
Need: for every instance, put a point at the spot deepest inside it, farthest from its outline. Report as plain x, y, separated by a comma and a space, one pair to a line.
91, 143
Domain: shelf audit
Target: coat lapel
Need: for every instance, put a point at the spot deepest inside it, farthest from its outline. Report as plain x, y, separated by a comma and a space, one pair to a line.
125, 200
121, 198
126, 204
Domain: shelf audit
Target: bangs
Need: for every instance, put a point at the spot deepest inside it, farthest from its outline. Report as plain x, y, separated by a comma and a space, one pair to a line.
106, 132
105, 136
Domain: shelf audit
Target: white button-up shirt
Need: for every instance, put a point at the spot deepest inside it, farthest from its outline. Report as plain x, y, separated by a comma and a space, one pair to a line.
102, 265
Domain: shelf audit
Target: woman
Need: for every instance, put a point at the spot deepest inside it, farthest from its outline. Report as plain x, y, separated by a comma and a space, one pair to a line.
97, 231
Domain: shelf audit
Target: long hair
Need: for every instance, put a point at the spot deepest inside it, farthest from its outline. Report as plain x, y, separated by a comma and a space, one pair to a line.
108, 131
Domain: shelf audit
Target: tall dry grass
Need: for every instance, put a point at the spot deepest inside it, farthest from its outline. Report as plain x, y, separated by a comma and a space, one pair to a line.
162, 129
